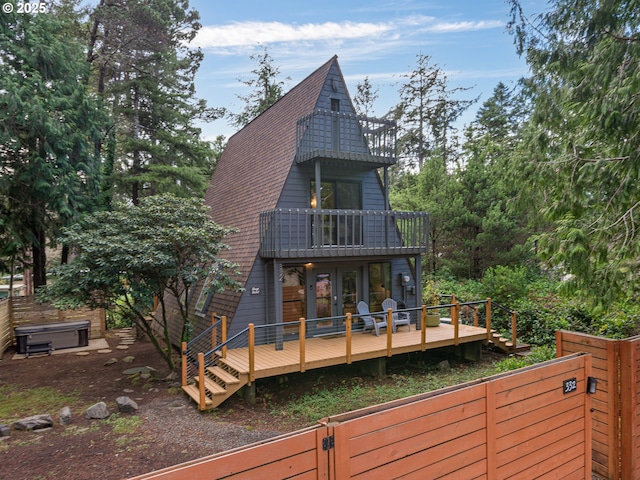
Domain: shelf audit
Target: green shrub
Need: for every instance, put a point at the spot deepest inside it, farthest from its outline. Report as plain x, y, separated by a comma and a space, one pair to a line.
538, 354
506, 285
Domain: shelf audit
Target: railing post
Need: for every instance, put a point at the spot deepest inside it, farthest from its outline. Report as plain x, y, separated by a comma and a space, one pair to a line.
475, 316
348, 338
214, 331
303, 338
455, 319
223, 339
183, 364
488, 319
423, 328
252, 353
514, 330
203, 399
389, 332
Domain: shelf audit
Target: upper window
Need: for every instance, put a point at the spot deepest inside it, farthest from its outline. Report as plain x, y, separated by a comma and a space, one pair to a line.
335, 105
337, 194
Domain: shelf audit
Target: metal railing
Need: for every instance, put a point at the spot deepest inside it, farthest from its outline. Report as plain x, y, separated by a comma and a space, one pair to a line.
346, 136
313, 233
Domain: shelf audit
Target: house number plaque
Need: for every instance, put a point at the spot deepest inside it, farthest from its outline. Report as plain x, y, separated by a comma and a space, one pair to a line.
570, 385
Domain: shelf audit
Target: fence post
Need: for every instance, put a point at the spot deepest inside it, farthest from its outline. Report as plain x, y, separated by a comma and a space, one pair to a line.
252, 354
389, 332
223, 324
214, 331
514, 330
628, 408
488, 319
183, 364
303, 337
202, 404
348, 338
423, 328
455, 310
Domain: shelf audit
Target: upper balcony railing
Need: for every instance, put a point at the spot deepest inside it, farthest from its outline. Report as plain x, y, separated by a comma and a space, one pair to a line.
345, 136
311, 233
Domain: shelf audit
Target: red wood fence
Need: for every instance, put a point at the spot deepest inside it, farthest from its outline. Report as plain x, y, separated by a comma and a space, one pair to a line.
6, 329
530, 423
616, 405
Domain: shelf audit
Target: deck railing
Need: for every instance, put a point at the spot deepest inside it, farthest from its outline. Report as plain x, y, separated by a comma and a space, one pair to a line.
345, 136
313, 233
210, 347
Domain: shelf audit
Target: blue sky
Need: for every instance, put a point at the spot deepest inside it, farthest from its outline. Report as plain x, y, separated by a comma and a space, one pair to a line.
379, 39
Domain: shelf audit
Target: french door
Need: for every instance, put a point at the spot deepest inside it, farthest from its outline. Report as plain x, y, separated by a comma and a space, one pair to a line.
335, 292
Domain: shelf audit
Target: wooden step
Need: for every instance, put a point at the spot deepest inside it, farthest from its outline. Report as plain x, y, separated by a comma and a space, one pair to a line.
212, 387
194, 393
226, 377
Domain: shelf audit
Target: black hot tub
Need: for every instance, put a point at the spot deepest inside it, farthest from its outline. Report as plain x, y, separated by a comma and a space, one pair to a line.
52, 336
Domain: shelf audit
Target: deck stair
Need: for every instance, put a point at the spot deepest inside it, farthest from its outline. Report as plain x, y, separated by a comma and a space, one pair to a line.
506, 345
220, 383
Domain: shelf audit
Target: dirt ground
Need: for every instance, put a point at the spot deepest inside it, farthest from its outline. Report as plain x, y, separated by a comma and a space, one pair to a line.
171, 429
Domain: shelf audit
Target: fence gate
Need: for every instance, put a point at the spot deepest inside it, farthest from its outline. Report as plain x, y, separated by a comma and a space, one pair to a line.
616, 405
531, 423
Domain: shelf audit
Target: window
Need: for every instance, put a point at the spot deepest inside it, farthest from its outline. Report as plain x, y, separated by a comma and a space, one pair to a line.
379, 285
204, 298
337, 194
340, 228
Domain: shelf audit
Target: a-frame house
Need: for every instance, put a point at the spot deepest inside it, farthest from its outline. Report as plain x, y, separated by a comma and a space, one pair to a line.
306, 186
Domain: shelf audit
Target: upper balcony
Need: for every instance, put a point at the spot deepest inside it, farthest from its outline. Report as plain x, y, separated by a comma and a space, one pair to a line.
344, 136
307, 233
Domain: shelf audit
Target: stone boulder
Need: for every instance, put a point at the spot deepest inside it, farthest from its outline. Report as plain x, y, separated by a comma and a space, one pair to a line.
126, 405
98, 411
37, 422
65, 416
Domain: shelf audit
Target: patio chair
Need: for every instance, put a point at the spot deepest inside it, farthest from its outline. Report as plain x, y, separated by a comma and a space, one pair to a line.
369, 320
399, 318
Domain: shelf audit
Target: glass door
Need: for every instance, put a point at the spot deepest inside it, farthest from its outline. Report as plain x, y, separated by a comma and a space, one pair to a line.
336, 294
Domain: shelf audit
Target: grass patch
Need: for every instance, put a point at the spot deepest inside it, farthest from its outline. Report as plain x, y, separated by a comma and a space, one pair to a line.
123, 425
355, 393
16, 403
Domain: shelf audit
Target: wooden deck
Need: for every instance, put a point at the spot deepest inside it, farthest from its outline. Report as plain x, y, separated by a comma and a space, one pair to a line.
331, 350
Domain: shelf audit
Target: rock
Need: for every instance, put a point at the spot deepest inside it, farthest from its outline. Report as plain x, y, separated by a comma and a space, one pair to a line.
5, 430
111, 361
126, 405
444, 366
145, 376
138, 370
172, 377
99, 411
128, 390
37, 422
65, 416
128, 359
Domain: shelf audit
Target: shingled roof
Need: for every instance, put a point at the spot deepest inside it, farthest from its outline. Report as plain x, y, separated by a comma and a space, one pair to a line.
252, 171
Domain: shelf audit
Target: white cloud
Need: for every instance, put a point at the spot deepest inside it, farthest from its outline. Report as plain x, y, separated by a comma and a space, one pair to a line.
448, 27
251, 33
234, 37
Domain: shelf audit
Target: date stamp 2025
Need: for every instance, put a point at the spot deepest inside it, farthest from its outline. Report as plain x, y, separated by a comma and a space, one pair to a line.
25, 7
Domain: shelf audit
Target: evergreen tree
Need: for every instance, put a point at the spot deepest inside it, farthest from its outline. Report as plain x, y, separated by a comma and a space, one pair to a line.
267, 90
426, 114
582, 150
145, 71
49, 125
365, 97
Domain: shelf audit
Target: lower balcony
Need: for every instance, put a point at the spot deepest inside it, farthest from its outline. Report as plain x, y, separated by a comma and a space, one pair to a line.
313, 233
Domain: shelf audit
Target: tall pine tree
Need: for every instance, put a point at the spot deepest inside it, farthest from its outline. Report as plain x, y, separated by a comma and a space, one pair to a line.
49, 126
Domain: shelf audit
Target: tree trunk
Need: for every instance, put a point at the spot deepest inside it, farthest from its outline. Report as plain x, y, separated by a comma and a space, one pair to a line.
39, 257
